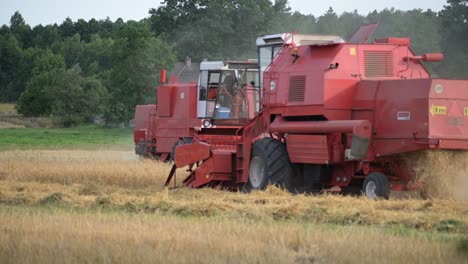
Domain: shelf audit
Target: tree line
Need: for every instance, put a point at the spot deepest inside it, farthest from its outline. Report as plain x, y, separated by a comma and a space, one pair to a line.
76, 70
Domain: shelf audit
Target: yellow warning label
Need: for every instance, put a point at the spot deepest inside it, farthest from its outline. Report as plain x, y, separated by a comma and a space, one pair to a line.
466, 111
439, 110
352, 51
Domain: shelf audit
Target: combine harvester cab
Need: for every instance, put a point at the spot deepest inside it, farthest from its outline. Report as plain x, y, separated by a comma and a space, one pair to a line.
333, 115
229, 100
223, 91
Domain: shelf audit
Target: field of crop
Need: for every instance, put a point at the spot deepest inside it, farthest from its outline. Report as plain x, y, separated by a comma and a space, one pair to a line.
79, 205
74, 203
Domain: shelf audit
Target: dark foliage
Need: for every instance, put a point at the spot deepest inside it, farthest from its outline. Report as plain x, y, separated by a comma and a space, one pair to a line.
80, 69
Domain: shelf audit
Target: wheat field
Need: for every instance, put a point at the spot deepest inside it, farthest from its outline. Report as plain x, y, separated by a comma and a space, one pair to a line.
108, 206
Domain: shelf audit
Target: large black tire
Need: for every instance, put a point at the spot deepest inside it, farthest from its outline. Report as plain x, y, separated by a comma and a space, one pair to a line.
180, 142
376, 186
269, 165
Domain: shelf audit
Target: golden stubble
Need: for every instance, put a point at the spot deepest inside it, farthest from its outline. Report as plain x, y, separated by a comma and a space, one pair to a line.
67, 167
119, 180
85, 206
48, 236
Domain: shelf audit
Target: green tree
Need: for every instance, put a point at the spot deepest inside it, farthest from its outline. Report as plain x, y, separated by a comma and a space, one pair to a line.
348, 23
293, 22
137, 57
454, 31
72, 49
78, 99
5, 30
21, 30
416, 24
328, 23
107, 28
96, 58
63, 94
67, 28
215, 29
420, 26
11, 60
45, 36
48, 76
83, 28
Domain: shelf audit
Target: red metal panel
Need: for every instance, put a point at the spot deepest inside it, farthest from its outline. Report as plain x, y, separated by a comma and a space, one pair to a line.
298, 110
183, 117
165, 99
191, 153
396, 41
400, 109
142, 118
364, 98
339, 93
165, 145
453, 144
411, 112
142, 113
447, 119
360, 128
222, 161
139, 135
311, 149
203, 174
385, 147
448, 110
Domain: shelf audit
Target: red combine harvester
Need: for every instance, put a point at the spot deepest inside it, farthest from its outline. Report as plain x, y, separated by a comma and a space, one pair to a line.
185, 108
331, 115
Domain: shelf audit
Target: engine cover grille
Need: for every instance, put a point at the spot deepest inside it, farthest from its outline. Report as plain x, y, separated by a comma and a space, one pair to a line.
378, 64
296, 88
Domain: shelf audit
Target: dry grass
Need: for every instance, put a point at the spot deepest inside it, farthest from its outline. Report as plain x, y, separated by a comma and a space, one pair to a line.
274, 204
9, 118
93, 237
117, 180
444, 173
67, 167
13, 120
7, 109
79, 206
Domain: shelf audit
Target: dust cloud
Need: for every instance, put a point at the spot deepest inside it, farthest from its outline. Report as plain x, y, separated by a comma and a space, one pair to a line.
444, 174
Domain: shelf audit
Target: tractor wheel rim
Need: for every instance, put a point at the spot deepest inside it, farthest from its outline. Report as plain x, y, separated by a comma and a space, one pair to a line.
256, 173
370, 190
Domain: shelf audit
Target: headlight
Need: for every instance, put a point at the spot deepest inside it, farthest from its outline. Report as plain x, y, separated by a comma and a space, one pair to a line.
206, 123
